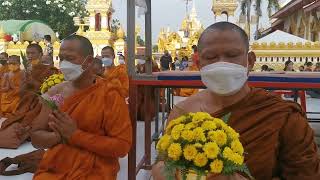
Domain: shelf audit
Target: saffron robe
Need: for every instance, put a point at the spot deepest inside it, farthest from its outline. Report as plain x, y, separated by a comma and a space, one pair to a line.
11, 98
119, 72
4, 69
103, 135
30, 106
186, 92
274, 132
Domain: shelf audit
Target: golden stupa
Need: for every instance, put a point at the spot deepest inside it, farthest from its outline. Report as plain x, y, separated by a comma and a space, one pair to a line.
179, 43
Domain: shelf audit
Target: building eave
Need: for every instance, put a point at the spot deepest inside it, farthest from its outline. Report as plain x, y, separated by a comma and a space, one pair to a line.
288, 9
312, 6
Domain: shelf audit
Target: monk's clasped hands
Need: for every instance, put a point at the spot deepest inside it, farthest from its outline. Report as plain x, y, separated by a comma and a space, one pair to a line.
62, 124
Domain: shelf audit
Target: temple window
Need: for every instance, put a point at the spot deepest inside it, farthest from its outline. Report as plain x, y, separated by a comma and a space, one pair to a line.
98, 22
224, 16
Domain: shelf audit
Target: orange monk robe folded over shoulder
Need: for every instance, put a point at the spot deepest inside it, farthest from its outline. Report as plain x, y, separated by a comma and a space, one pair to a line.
11, 98
275, 134
104, 135
120, 72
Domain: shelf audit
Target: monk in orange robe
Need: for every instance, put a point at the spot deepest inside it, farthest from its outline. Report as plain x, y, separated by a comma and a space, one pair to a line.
3, 68
112, 71
93, 121
29, 105
39, 71
186, 92
11, 84
275, 133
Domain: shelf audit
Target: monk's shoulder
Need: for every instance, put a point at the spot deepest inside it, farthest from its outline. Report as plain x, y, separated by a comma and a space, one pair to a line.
193, 103
111, 87
272, 106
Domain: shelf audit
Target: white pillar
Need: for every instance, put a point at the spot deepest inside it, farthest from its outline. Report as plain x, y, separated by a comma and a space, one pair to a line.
92, 22
104, 21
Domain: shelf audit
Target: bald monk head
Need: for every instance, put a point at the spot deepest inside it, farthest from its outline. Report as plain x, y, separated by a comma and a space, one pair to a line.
225, 60
14, 63
76, 55
4, 58
266, 123
34, 53
108, 55
47, 60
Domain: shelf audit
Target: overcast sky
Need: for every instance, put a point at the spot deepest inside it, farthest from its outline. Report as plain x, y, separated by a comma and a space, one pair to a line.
166, 13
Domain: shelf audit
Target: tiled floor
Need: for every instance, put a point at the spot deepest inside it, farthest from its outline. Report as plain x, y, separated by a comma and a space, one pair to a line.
313, 105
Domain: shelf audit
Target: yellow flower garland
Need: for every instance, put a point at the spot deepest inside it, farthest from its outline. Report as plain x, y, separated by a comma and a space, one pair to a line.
50, 82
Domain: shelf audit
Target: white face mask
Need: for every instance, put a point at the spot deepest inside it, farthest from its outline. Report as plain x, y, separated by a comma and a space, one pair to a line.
224, 78
106, 62
71, 71
121, 61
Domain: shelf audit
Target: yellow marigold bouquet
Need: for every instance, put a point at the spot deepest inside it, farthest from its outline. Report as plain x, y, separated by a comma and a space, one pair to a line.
50, 82
201, 144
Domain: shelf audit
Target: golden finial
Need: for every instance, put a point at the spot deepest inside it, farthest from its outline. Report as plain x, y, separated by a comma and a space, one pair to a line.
120, 33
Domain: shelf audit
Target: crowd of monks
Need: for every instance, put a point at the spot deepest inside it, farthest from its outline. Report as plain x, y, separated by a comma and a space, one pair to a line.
90, 129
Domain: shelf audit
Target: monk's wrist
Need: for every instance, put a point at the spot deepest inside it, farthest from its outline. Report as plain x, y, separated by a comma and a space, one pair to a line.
74, 139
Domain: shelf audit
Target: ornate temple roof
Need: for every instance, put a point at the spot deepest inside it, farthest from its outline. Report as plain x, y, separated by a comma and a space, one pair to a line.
280, 36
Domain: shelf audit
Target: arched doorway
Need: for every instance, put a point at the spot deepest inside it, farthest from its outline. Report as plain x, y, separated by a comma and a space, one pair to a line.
224, 16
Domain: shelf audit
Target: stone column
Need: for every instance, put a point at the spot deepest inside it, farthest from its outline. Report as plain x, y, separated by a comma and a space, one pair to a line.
104, 21
92, 20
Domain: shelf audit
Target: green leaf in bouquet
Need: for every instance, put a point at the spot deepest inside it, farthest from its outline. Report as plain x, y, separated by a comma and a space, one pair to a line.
25, 62
226, 117
230, 168
169, 170
51, 104
184, 173
244, 169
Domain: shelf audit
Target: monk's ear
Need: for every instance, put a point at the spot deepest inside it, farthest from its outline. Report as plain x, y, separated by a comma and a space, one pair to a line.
89, 61
251, 60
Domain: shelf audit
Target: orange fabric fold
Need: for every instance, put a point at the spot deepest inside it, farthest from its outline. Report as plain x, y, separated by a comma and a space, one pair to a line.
119, 72
4, 69
103, 135
11, 98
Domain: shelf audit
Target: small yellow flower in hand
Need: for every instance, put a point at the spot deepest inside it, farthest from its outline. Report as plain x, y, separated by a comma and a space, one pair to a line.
200, 160
211, 150
174, 151
187, 135
190, 152
57, 81
216, 166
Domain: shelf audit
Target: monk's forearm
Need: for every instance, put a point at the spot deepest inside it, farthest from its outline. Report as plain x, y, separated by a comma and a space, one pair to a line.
101, 145
42, 139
